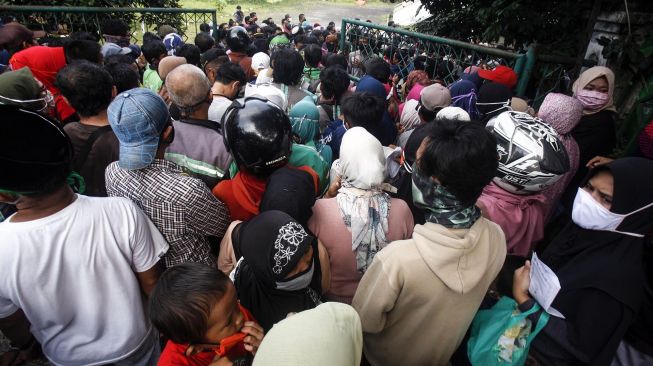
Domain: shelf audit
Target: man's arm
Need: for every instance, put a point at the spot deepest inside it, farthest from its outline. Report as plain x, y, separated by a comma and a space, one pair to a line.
16, 328
206, 214
148, 279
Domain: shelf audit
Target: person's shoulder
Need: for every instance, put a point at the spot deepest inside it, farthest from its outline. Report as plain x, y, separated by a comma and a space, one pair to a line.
397, 251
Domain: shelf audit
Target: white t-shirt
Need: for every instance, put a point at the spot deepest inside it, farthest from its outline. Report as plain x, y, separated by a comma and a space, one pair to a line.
72, 273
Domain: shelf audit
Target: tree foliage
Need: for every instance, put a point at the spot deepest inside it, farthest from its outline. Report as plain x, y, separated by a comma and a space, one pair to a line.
557, 26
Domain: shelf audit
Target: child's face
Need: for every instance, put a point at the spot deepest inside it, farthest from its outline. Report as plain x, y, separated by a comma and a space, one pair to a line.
225, 318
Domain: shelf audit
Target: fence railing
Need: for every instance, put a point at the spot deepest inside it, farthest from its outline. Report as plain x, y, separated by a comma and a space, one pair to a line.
538, 74
62, 20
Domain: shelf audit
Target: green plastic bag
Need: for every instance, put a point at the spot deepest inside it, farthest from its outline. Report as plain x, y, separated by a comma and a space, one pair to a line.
502, 335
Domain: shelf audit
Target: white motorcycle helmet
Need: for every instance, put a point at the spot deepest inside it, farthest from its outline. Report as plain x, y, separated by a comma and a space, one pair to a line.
531, 155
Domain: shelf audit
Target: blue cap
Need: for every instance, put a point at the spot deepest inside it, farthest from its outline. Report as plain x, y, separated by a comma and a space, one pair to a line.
138, 117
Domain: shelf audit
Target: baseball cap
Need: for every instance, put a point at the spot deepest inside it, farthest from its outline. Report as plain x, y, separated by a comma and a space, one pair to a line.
269, 92
172, 41
435, 96
500, 74
13, 34
453, 114
137, 117
34, 150
260, 60
109, 49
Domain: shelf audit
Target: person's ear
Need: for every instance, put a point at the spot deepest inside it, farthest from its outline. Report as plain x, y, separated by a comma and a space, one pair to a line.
114, 92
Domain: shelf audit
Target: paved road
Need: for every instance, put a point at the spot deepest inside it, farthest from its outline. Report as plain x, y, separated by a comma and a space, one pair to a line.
323, 12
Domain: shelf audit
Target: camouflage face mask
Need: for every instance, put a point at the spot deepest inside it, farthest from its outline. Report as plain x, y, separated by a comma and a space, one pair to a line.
441, 206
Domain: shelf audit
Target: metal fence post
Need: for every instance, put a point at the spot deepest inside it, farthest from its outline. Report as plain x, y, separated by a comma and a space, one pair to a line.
343, 31
214, 19
525, 74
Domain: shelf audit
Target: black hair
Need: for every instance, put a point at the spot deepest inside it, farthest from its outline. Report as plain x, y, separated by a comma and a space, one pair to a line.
191, 53
150, 37
82, 50
204, 27
181, 302
312, 55
87, 86
230, 72
153, 50
83, 36
462, 156
124, 76
115, 27
335, 59
364, 110
425, 114
288, 67
212, 54
444, 69
118, 59
334, 82
300, 38
379, 69
204, 42
216, 63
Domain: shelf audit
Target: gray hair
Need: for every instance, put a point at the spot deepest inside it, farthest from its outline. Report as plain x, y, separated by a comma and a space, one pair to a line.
188, 86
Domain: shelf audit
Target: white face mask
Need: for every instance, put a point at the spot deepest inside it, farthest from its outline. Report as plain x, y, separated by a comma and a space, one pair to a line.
298, 282
589, 214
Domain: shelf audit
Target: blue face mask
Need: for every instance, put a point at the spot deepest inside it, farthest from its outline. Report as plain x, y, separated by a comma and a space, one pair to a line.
298, 282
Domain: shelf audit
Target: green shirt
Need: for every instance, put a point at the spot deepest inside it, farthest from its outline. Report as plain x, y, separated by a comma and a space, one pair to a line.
151, 80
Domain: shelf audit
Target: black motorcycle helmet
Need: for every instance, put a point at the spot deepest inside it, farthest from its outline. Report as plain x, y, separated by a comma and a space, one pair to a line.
237, 39
258, 135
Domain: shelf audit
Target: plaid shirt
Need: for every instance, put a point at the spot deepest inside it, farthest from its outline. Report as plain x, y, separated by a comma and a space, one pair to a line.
181, 207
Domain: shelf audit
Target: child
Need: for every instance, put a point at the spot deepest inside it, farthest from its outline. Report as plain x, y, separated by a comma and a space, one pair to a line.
195, 307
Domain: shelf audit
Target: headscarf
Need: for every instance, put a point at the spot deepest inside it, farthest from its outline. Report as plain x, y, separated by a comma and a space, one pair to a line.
292, 191
385, 130
520, 105
463, 95
409, 116
45, 63
473, 77
363, 205
587, 77
521, 217
606, 261
416, 77
415, 92
331, 334
498, 95
304, 118
271, 245
563, 113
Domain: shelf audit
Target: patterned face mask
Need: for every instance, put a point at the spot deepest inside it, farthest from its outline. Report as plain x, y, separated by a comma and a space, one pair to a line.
439, 205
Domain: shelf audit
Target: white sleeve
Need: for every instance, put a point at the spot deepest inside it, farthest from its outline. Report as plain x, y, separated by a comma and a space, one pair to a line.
7, 307
148, 245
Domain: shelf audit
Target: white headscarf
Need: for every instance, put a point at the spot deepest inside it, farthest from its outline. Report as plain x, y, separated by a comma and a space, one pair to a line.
363, 205
331, 334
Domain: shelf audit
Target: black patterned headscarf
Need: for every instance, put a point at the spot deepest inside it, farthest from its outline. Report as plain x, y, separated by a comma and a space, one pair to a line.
272, 244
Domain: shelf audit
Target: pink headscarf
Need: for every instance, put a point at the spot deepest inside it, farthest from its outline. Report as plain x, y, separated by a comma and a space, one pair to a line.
563, 113
414, 94
520, 217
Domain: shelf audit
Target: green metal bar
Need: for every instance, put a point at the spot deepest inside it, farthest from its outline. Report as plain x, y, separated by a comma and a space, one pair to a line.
524, 76
214, 19
343, 35
89, 9
450, 42
519, 65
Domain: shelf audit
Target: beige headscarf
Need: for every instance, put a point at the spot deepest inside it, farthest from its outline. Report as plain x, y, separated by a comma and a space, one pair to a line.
587, 77
329, 335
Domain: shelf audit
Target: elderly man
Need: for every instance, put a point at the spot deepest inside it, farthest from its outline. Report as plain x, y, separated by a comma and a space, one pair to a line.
181, 207
198, 146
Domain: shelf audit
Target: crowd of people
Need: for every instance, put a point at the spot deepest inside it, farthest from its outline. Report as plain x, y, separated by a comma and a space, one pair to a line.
240, 200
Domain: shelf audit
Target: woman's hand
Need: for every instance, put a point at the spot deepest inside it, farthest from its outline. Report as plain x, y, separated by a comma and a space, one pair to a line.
333, 189
520, 283
598, 161
254, 336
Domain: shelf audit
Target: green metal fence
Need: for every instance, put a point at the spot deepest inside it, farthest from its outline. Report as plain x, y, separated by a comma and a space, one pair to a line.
61, 20
538, 75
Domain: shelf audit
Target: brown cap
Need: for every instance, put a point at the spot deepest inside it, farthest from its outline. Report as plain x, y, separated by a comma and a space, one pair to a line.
13, 34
